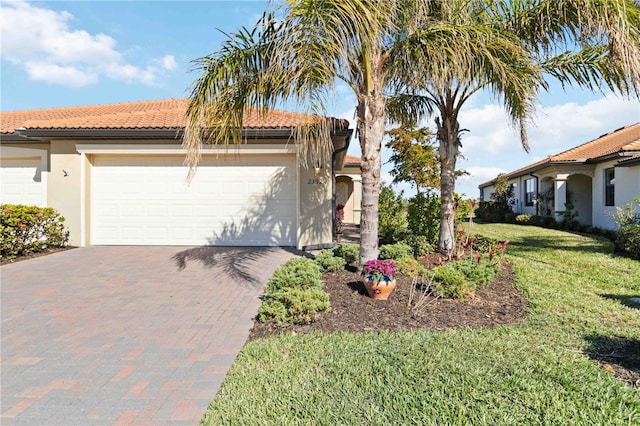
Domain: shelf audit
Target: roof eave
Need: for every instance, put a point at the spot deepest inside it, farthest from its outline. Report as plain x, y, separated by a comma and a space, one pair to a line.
16, 137
533, 169
613, 156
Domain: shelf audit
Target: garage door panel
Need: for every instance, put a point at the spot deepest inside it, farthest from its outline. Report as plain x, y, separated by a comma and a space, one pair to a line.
22, 181
243, 200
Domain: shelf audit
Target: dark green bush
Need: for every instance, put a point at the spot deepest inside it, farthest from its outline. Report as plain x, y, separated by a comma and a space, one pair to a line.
451, 283
395, 251
420, 245
493, 211
328, 262
294, 305
549, 222
627, 242
30, 229
296, 273
349, 252
423, 216
391, 214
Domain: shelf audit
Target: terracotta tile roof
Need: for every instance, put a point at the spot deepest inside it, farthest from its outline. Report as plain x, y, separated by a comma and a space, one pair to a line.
620, 140
351, 159
623, 140
159, 114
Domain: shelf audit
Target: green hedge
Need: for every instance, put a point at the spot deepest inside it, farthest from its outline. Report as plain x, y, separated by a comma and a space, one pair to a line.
328, 262
294, 293
30, 229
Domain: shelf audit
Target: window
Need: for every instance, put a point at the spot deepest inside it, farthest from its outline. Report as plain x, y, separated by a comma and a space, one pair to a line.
530, 191
609, 186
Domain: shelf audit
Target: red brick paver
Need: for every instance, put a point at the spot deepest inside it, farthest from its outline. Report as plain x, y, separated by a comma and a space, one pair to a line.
125, 335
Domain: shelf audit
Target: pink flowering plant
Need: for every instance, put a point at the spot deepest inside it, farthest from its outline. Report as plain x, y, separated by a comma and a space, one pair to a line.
379, 270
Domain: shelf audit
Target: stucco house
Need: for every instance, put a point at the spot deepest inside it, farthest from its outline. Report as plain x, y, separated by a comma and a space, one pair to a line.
116, 173
595, 177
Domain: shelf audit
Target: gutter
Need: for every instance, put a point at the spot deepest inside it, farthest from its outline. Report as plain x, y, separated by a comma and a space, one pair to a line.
166, 133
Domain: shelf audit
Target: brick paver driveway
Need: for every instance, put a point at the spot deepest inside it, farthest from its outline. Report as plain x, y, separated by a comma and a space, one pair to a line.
125, 335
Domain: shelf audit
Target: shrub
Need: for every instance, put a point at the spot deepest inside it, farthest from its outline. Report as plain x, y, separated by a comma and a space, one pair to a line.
328, 262
549, 222
410, 266
423, 216
464, 209
30, 229
419, 244
294, 305
483, 244
391, 214
349, 252
296, 273
451, 283
627, 215
526, 219
627, 242
395, 251
294, 293
493, 211
477, 273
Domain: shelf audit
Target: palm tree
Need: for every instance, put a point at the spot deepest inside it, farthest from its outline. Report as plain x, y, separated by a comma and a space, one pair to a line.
593, 44
404, 59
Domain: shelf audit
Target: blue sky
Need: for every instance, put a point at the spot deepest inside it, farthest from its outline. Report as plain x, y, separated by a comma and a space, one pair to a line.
60, 53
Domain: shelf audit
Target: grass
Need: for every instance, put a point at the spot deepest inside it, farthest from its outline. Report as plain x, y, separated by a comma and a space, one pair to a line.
537, 372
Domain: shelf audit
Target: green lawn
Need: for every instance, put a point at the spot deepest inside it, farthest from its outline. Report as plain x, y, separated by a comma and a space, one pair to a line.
538, 372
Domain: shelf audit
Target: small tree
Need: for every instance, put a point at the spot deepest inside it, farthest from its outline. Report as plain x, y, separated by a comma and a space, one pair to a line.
414, 158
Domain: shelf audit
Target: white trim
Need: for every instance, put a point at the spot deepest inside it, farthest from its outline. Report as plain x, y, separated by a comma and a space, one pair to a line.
83, 209
178, 149
297, 166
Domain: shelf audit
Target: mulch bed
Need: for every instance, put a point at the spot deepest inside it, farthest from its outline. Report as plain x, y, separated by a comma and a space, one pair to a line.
4, 261
352, 310
499, 303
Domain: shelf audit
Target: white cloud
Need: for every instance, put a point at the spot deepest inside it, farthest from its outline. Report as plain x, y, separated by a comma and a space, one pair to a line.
42, 42
56, 74
169, 62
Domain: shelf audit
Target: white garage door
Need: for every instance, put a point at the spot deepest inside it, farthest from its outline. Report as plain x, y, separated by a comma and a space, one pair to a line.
232, 200
22, 181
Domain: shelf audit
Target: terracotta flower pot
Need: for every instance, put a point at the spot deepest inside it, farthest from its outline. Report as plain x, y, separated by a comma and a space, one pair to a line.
380, 290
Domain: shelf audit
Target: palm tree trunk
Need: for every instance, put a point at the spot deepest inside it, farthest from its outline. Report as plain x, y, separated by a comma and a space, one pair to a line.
449, 143
371, 126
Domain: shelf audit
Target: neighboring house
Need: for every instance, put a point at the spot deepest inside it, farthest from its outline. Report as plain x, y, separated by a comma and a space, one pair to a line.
116, 173
595, 177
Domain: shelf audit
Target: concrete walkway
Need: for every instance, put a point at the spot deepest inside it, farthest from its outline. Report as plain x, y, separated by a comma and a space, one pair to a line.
125, 335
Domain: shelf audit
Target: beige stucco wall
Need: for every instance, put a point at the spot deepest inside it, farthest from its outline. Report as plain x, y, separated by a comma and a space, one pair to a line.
627, 186
630, 185
602, 216
315, 213
65, 187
